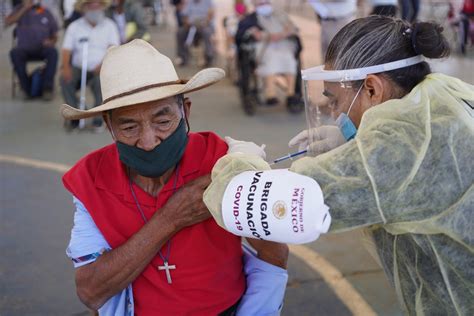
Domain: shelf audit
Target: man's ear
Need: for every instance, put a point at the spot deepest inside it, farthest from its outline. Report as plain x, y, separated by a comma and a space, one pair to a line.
375, 89
187, 107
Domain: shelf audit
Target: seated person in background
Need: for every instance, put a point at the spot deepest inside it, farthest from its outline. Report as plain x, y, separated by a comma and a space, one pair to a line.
36, 33
198, 14
231, 22
275, 51
130, 19
384, 7
143, 242
332, 15
99, 33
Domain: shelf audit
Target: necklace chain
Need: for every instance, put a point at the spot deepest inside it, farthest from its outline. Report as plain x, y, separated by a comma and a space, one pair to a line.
165, 259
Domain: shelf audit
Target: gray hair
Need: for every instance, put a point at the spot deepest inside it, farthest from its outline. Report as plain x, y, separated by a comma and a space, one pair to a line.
377, 40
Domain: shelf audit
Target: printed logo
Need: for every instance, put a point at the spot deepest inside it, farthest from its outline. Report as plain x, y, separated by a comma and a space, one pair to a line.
279, 209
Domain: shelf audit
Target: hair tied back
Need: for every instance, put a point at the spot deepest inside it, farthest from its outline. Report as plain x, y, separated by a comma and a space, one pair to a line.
413, 38
407, 32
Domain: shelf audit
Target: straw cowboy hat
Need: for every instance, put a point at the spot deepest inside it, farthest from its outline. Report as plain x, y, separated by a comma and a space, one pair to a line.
80, 3
136, 73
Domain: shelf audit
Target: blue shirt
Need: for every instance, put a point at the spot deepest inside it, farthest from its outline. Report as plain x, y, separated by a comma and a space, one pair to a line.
35, 26
266, 283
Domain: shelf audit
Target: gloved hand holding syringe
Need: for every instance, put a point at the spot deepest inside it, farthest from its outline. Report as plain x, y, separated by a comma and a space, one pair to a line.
324, 138
317, 140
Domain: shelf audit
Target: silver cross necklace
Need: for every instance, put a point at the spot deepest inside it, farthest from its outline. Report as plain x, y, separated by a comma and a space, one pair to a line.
166, 266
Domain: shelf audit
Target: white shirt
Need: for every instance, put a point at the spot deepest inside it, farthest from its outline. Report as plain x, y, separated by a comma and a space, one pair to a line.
100, 38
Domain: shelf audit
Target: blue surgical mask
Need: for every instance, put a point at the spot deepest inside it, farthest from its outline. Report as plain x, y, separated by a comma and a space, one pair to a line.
344, 122
264, 9
346, 126
94, 16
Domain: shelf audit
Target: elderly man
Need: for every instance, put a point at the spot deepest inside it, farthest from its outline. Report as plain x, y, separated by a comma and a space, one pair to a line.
143, 242
96, 32
277, 50
36, 34
197, 18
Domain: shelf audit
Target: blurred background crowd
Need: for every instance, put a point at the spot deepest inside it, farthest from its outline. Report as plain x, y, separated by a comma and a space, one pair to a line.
68, 39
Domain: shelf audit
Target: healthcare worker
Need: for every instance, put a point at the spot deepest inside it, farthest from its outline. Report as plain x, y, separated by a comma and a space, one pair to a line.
402, 167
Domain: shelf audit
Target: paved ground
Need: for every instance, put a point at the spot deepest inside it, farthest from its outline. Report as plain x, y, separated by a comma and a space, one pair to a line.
333, 276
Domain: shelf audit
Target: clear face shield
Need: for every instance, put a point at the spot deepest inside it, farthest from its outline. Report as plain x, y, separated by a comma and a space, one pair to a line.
331, 98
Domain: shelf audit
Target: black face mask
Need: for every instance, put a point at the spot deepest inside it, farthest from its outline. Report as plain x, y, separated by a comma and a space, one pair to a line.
156, 162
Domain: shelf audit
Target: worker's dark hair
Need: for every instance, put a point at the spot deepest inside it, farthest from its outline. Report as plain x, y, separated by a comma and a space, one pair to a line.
378, 39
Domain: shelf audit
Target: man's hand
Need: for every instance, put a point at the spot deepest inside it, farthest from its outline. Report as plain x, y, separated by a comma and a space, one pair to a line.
66, 73
271, 252
49, 42
256, 33
185, 207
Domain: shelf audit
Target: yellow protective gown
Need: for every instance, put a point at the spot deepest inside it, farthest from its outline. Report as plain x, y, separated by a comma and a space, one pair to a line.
408, 177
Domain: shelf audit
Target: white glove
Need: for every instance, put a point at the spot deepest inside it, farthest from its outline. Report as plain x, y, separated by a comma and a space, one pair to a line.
239, 146
326, 138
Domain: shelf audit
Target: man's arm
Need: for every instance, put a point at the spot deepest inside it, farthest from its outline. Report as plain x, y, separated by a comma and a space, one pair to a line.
270, 252
114, 270
51, 41
66, 70
247, 23
266, 285
68, 46
53, 30
15, 16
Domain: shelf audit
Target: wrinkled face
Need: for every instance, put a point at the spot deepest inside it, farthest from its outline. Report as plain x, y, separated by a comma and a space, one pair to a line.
145, 125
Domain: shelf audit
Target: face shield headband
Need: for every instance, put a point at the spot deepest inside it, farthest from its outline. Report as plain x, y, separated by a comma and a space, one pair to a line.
319, 73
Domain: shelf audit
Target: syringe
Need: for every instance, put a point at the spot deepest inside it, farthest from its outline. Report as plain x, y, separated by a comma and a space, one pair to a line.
289, 156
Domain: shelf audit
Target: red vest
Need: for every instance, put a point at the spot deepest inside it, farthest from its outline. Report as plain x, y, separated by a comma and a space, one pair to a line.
209, 274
